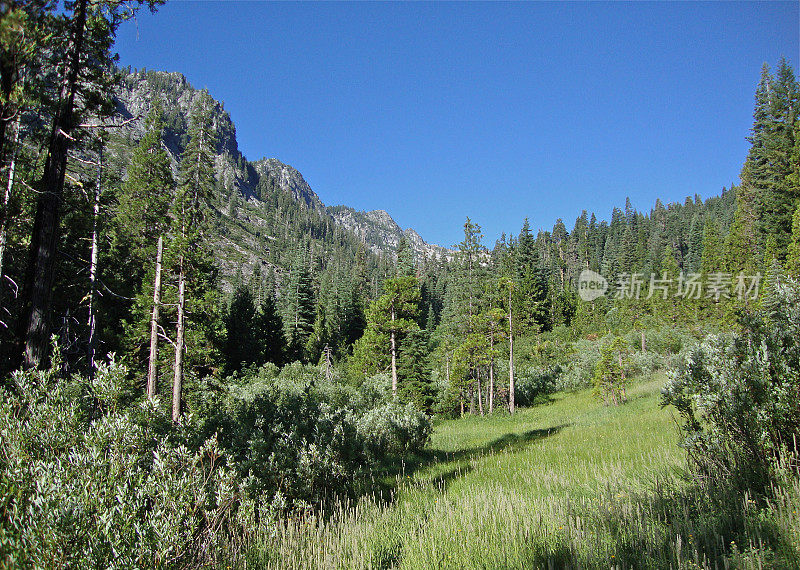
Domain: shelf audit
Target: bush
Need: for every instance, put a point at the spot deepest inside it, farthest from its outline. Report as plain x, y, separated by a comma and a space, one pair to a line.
645, 363
297, 439
578, 372
534, 383
88, 481
393, 429
84, 484
739, 394
665, 340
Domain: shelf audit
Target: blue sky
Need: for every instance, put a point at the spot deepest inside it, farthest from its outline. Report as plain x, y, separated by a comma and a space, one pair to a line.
496, 111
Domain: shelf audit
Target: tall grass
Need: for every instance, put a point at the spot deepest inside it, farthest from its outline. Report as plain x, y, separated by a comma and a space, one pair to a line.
567, 484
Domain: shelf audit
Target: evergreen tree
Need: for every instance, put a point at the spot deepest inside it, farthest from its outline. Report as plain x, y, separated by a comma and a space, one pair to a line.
241, 342
414, 371
301, 310
269, 332
711, 260
793, 254
139, 227
740, 247
193, 257
82, 47
405, 258
394, 314
767, 175
532, 291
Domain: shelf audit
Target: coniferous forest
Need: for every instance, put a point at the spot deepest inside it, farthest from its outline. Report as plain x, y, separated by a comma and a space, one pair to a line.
203, 365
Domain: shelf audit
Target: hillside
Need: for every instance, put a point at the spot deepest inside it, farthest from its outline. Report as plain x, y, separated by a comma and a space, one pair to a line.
265, 207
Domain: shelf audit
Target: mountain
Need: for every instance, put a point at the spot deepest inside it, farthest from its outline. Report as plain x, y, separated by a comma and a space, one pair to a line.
265, 210
378, 229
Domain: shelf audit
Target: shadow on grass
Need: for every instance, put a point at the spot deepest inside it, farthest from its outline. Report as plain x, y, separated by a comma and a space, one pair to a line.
390, 473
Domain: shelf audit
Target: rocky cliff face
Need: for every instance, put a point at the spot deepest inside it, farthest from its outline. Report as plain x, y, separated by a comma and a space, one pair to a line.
290, 180
379, 230
249, 227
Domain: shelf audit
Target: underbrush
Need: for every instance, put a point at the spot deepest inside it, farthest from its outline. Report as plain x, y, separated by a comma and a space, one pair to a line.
89, 479
568, 484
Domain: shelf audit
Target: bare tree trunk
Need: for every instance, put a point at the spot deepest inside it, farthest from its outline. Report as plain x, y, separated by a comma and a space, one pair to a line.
93, 268
491, 378
6, 215
480, 395
644, 346
510, 357
472, 398
179, 345
152, 367
394, 358
34, 322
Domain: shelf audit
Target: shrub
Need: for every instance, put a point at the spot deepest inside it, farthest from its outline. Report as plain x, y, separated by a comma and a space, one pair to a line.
84, 484
394, 429
645, 363
578, 372
611, 372
534, 383
739, 394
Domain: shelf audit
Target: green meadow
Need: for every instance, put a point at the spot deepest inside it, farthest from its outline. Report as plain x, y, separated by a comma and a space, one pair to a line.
570, 483
505, 492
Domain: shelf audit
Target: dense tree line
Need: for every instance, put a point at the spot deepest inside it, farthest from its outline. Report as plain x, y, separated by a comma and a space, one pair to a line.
304, 356
125, 251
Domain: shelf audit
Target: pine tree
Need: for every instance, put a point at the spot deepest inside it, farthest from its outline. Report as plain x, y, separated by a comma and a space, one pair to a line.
793, 254
241, 343
140, 224
301, 310
84, 87
269, 332
394, 314
711, 259
532, 292
414, 371
190, 207
405, 258
767, 175
740, 247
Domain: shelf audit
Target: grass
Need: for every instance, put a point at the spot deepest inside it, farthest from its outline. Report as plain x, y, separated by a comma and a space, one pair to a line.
570, 483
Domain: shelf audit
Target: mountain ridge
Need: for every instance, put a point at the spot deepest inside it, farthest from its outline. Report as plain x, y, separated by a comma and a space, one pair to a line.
249, 191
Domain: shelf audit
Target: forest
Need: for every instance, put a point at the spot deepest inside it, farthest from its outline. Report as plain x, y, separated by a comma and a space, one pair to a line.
201, 366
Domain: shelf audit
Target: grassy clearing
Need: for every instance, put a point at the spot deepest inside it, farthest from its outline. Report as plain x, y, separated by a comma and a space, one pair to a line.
570, 483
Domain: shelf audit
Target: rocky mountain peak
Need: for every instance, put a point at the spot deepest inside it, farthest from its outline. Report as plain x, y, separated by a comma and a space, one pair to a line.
289, 180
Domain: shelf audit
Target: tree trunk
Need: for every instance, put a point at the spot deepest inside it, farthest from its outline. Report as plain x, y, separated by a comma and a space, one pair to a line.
491, 378
44, 239
93, 269
472, 398
480, 395
644, 346
152, 367
179, 342
394, 358
5, 214
510, 358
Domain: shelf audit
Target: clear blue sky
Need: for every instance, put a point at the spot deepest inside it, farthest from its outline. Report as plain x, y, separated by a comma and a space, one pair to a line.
434, 112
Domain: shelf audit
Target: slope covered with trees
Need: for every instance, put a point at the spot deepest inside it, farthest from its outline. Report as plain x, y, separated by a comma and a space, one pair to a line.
178, 316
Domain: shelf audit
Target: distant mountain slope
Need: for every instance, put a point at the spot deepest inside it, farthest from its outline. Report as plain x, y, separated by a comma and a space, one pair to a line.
265, 208
381, 232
